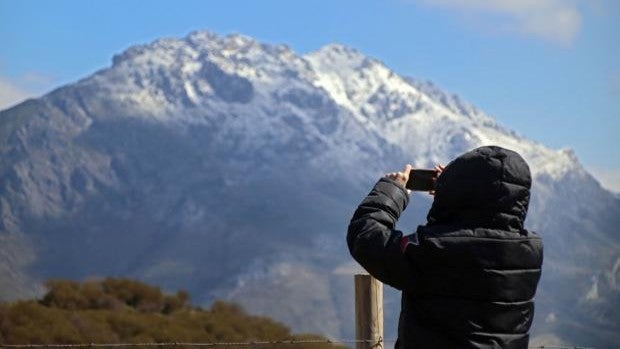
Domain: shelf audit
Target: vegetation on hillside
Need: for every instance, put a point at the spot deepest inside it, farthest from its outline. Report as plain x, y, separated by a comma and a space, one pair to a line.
122, 310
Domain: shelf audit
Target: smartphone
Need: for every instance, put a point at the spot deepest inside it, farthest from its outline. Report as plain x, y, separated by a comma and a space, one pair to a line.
422, 180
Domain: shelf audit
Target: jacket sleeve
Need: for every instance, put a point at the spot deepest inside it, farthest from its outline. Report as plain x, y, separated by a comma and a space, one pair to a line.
372, 239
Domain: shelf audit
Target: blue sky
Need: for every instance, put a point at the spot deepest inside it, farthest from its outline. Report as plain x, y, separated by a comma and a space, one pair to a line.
548, 69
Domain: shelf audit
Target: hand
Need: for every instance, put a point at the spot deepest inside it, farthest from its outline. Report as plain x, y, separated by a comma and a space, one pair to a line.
439, 169
401, 177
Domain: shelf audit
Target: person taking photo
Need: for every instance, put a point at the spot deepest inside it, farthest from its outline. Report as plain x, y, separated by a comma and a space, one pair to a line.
469, 275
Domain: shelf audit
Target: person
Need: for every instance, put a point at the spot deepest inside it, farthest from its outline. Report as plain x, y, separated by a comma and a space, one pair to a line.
469, 275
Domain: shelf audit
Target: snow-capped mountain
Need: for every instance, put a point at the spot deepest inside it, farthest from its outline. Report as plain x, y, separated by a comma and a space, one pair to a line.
230, 168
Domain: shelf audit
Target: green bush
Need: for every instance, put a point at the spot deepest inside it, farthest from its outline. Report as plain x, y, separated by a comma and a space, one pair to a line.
123, 310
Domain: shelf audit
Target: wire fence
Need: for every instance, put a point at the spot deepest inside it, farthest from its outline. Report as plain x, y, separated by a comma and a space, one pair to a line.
234, 344
191, 344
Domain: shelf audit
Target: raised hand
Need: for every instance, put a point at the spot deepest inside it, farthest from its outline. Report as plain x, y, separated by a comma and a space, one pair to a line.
401, 177
439, 169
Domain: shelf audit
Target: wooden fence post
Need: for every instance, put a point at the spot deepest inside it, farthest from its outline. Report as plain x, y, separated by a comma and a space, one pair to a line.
368, 312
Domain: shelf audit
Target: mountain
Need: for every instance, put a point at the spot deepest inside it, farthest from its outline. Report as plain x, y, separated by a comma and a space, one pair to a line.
230, 168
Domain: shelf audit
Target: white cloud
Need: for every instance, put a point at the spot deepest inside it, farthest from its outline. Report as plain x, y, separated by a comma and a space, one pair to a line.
11, 94
558, 21
608, 177
14, 91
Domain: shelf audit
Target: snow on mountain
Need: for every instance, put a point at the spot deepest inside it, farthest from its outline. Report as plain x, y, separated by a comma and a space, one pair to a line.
413, 114
230, 167
407, 113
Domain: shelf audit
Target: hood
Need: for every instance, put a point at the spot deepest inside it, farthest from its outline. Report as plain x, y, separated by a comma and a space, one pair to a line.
488, 187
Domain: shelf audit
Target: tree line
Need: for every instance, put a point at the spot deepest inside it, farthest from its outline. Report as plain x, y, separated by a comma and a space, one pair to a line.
115, 310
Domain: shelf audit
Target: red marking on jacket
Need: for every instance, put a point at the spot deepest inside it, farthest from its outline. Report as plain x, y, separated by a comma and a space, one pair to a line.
403, 243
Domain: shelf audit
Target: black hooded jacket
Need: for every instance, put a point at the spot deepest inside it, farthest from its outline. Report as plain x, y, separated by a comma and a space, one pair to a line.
468, 277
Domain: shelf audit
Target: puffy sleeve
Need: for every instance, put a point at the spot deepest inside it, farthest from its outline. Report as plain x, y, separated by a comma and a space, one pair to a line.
372, 239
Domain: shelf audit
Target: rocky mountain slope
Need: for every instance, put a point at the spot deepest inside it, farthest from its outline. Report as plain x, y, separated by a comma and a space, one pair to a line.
230, 168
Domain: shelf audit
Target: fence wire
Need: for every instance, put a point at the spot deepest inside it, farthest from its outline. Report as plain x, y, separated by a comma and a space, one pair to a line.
250, 343
194, 344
